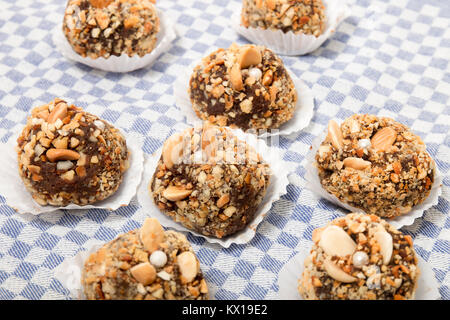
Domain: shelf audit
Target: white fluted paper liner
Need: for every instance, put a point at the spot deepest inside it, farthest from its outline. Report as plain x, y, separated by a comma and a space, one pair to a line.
70, 270
313, 183
277, 188
427, 288
18, 197
301, 119
290, 43
122, 63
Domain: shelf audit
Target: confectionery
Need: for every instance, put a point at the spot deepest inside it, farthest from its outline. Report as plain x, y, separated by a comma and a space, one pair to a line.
243, 86
209, 181
68, 156
104, 28
359, 257
298, 16
145, 264
375, 164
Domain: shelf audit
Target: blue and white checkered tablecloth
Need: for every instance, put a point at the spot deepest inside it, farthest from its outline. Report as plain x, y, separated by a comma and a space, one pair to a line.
389, 58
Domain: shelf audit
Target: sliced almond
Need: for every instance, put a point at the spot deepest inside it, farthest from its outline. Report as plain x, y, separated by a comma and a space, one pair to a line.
356, 163
175, 193
335, 134
337, 273
144, 273
384, 139
58, 112
384, 239
249, 56
236, 78
151, 234
336, 242
62, 154
188, 264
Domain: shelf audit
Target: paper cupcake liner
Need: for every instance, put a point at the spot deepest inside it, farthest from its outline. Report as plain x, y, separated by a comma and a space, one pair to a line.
20, 199
69, 272
427, 288
122, 63
290, 43
313, 183
301, 119
277, 188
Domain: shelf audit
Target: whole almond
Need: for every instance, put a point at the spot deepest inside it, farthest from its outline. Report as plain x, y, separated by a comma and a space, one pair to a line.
236, 78
62, 154
151, 234
58, 112
335, 134
188, 265
356, 163
249, 56
384, 139
336, 242
144, 273
175, 193
337, 273
384, 239
172, 150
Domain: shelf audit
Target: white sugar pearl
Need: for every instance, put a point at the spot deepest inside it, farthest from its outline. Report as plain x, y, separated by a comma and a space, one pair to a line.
364, 143
158, 258
360, 259
255, 73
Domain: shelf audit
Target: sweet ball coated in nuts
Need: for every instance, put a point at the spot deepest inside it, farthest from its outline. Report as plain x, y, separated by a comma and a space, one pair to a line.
201, 182
68, 156
360, 257
375, 164
104, 28
120, 270
243, 86
299, 16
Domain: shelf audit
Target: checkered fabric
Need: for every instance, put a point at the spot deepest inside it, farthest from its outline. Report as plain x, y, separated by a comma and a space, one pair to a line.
388, 58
